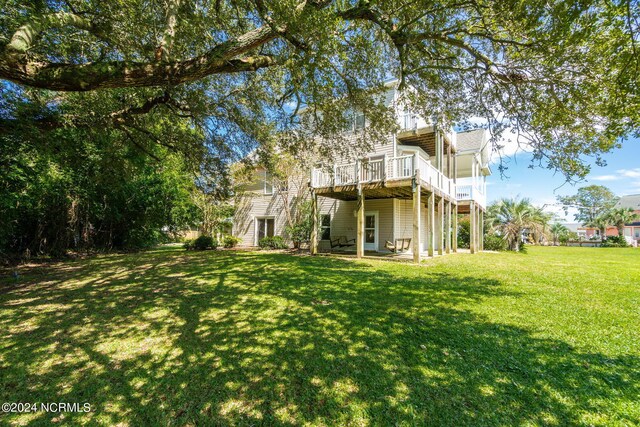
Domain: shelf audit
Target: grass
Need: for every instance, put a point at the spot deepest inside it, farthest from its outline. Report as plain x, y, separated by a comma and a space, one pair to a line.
169, 337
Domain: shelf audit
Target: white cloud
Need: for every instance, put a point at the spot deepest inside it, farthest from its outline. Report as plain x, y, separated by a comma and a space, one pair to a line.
629, 173
604, 178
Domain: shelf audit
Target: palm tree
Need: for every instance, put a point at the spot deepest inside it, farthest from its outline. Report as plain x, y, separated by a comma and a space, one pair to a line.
558, 230
621, 216
539, 223
510, 217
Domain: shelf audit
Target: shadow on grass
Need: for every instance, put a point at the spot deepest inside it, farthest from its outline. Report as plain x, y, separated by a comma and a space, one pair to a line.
258, 338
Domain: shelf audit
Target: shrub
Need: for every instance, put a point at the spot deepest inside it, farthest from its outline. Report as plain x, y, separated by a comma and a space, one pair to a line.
565, 238
230, 241
493, 242
464, 233
614, 242
205, 242
188, 244
275, 242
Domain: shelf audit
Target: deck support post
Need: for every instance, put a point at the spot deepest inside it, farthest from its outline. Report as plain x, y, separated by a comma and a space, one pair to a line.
431, 223
314, 223
481, 229
440, 226
447, 228
455, 229
417, 212
360, 225
472, 227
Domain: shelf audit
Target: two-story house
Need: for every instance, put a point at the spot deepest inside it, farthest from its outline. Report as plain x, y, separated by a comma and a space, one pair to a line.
404, 195
631, 230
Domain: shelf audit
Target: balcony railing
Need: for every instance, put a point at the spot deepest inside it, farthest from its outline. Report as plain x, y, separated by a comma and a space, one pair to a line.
471, 193
383, 169
408, 121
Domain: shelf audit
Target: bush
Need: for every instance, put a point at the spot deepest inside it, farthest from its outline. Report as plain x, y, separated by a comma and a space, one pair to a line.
614, 242
275, 242
565, 238
493, 242
464, 233
230, 241
205, 242
188, 244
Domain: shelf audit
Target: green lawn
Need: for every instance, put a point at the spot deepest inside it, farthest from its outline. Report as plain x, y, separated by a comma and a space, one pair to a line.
169, 337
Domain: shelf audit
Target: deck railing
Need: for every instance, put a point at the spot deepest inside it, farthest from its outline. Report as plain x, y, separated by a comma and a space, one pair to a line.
471, 193
408, 121
383, 169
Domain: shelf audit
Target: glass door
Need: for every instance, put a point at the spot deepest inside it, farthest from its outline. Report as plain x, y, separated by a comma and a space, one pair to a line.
371, 231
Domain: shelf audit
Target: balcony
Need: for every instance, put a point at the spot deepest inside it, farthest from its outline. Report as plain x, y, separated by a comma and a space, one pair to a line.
384, 170
471, 192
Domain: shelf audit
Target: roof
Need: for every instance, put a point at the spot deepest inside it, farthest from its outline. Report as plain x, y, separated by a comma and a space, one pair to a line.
631, 201
573, 226
475, 141
471, 140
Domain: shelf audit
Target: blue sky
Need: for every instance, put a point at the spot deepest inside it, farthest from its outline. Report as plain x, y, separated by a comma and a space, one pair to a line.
621, 175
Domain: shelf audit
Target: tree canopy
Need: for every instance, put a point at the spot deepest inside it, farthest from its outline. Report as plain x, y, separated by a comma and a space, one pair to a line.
592, 203
561, 75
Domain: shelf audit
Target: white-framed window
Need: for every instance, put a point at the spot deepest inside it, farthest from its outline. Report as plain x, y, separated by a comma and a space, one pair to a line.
355, 122
637, 232
325, 227
265, 227
268, 185
359, 121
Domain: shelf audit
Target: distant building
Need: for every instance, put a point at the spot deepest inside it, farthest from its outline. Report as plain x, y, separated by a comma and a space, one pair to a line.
631, 202
631, 230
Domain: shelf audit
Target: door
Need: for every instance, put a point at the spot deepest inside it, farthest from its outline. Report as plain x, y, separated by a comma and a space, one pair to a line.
264, 227
371, 231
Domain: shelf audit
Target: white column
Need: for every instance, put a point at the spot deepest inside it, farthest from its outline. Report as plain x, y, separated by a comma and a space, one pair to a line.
314, 223
360, 225
417, 212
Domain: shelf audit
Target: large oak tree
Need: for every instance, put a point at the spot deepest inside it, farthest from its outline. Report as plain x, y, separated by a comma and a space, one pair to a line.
561, 76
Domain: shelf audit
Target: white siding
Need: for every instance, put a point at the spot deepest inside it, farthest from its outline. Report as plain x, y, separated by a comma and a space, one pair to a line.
404, 221
344, 221
253, 203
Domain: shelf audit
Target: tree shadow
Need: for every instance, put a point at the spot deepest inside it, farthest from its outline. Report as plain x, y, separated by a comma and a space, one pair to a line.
261, 338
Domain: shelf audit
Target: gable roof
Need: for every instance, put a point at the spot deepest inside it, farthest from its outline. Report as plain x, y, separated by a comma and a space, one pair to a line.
471, 140
631, 201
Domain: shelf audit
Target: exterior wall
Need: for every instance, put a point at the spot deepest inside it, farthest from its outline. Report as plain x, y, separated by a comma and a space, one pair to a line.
404, 222
344, 222
253, 204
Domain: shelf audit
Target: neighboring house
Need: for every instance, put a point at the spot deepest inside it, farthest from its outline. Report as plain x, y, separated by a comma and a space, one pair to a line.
577, 228
404, 194
632, 201
631, 231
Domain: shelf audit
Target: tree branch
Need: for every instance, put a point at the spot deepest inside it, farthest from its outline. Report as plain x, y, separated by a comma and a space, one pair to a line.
26, 35
164, 49
118, 74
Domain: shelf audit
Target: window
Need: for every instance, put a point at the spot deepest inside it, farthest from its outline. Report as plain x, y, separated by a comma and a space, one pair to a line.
637, 233
354, 121
265, 227
325, 227
359, 121
268, 186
